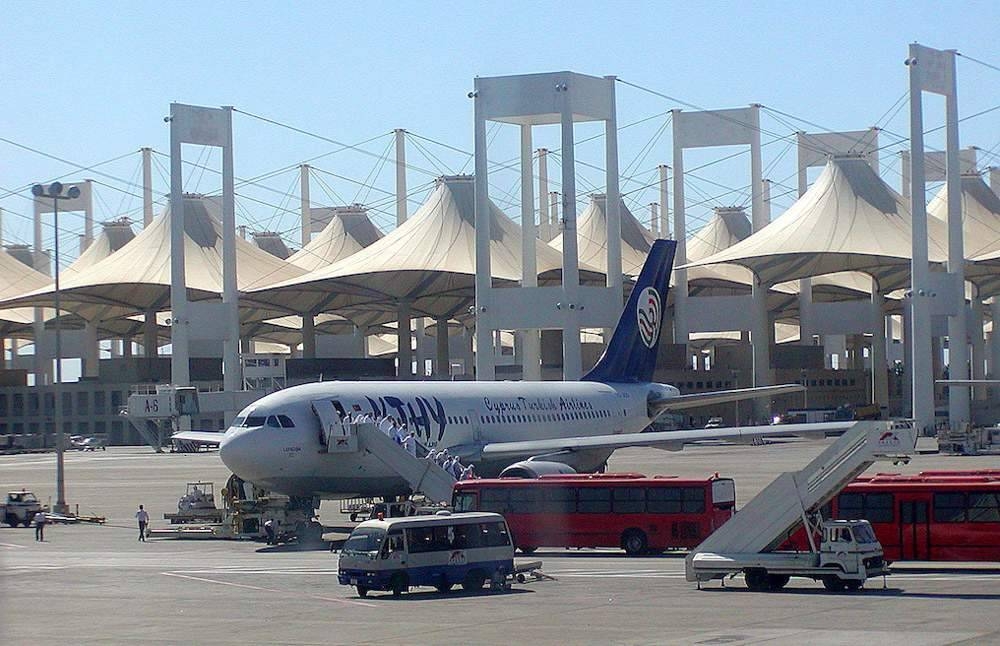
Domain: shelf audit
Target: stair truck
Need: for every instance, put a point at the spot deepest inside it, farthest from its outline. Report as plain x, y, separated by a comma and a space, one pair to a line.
842, 554
20, 507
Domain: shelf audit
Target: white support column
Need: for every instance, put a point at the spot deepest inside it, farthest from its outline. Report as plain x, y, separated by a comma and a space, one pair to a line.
404, 354
531, 366
978, 346
906, 179
91, 350
572, 361
880, 373
400, 176
958, 349
613, 210
681, 326
654, 219
88, 214
553, 213
995, 179
147, 186
305, 204
308, 336
757, 213
761, 344
442, 363
231, 366
149, 335
665, 230
544, 225
922, 368
180, 373
995, 346
485, 360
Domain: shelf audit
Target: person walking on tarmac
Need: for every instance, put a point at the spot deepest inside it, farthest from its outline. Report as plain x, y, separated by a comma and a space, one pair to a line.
269, 530
143, 517
40, 520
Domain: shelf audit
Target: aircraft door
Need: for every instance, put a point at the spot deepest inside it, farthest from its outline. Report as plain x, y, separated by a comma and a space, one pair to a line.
914, 530
477, 430
334, 435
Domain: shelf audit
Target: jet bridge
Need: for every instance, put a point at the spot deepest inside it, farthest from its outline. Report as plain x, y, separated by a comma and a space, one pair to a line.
766, 521
424, 476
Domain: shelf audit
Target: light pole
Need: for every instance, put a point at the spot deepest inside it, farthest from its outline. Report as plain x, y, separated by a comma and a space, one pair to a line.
55, 191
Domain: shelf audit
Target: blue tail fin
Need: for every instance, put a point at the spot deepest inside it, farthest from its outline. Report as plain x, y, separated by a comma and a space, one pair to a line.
631, 354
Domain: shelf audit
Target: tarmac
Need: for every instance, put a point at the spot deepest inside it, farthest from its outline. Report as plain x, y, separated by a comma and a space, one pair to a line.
97, 584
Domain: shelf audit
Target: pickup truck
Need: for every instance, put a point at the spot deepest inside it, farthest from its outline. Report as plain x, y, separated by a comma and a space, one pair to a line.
19, 507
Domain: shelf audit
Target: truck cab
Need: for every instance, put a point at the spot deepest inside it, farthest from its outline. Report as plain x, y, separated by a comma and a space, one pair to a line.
851, 547
19, 507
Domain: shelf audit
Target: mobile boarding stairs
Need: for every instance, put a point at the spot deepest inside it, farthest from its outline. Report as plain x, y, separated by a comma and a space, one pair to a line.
767, 520
423, 475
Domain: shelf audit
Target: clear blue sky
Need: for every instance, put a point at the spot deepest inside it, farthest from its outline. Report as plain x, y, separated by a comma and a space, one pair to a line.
88, 82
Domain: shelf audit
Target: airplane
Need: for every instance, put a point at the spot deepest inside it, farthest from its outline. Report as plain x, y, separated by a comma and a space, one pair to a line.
543, 427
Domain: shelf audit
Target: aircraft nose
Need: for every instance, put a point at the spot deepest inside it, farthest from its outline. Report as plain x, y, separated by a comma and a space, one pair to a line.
237, 452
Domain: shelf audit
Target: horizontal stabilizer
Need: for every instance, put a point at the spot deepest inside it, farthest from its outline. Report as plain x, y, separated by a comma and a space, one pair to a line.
696, 400
208, 438
670, 440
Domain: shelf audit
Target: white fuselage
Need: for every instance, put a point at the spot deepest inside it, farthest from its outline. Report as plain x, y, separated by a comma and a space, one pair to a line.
460, 416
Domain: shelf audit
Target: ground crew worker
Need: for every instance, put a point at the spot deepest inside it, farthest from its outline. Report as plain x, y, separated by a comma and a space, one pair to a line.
269, 530
143, 517
40, 521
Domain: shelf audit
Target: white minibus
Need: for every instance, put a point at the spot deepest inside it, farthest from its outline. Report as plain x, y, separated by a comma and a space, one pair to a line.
440, 551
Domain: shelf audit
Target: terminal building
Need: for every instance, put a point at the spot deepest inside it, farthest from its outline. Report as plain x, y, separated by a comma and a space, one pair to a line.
823, 294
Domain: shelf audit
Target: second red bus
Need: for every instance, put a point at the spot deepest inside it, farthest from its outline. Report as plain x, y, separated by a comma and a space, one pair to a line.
627, 510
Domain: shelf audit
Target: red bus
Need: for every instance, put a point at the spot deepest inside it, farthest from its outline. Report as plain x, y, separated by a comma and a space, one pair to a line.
626, 510
928, 516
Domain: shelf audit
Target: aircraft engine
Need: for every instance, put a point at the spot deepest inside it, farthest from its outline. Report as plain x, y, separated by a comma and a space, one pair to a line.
535, 468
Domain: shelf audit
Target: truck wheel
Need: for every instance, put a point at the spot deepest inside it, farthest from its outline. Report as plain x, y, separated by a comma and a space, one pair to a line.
777, 581
443, 585
854, 585
833, 583
11, 520
527, 549
756, 579
474, 580
362, 591
398, 585
634, 542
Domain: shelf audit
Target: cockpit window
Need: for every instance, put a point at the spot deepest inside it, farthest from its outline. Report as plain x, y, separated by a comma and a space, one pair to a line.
272, 421
255, 420
286, 421
238, 422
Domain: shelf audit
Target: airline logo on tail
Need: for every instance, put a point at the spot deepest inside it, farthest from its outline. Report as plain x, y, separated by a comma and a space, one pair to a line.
647, 313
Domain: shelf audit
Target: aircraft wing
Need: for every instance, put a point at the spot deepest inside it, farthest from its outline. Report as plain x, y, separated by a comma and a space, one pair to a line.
668, 440
208, 438
694, 400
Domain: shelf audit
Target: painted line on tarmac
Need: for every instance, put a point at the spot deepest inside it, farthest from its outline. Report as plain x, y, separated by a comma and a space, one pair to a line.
270, 590
250, 570
11, 545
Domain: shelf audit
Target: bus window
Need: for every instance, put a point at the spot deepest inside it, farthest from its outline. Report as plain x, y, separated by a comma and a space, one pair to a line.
557, 500
850, 505
663, 500
497, 500
984, 508
693, 500
464, 501
494, 535
949, 507
878, 507
523, 500
467, 537
594, 500
631, 500
420, 539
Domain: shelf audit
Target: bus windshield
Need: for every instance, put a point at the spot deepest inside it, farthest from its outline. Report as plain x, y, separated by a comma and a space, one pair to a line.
365, 540
464, 501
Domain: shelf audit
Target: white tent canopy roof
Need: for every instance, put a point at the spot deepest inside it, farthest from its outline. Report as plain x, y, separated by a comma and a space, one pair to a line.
848, 220
429, 261
348, 232
592, 237
137, 277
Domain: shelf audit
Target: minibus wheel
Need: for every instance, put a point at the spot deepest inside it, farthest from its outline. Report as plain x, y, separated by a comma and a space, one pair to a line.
398, 584
474, 580
362, 591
